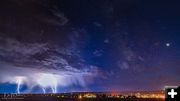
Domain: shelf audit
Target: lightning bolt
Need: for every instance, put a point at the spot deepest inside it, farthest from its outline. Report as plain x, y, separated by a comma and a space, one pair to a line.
44, 90
43, 81
19, 82
54, 89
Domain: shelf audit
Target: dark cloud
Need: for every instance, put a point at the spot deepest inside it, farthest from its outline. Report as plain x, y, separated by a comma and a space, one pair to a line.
30, 59
36, 42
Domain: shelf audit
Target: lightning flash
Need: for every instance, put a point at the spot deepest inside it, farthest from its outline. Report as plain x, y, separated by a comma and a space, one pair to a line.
48, 80
19, 82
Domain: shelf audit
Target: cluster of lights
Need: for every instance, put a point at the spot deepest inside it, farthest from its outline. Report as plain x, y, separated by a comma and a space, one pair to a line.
138, 95
89, 95
94, 96
157, 96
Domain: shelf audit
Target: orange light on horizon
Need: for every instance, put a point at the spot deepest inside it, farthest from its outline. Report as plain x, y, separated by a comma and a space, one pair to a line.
80, 96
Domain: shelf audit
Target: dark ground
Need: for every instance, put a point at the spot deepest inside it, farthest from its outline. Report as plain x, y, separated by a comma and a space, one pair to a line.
66, 99
36, 97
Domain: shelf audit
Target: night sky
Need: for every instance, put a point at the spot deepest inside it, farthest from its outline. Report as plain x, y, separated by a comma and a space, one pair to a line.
89, 45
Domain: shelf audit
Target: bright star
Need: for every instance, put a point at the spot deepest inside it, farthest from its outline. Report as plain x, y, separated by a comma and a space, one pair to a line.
168, 44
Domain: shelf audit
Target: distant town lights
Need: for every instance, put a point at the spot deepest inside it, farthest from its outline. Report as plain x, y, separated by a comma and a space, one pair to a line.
80, 97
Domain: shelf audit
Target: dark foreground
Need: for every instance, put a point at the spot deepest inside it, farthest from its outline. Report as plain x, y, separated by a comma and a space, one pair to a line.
72, 97
107, 99
83, 99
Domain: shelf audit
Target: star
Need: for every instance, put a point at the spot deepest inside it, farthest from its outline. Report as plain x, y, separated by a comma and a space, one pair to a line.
168, 44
